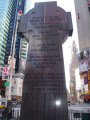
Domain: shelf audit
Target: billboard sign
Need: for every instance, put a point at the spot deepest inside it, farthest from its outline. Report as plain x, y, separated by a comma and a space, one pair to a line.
10, 62
86, 80
16, 87
5, 73
23, 63
84, 61
86, 87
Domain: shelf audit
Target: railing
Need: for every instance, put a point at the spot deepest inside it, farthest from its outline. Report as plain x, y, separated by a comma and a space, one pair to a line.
73, 114
12, 114
15, 113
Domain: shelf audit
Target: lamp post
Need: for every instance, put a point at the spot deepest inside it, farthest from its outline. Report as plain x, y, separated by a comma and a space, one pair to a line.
13, 50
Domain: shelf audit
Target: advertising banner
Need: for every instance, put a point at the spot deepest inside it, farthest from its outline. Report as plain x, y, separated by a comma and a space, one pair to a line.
23, 63
84, 61
5, 70
86, 87
89, 85
16, 87
10, 62
85, 80
5, 73
82, 81
83, 75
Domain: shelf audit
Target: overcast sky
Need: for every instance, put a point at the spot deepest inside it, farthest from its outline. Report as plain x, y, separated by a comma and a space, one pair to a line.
68, 5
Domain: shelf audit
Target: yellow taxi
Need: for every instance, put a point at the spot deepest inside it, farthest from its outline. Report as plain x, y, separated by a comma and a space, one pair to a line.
2, 106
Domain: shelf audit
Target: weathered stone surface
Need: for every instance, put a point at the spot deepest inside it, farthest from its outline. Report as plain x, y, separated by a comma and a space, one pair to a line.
44, 91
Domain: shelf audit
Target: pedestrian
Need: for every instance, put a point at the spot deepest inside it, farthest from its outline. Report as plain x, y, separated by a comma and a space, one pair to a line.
69, 104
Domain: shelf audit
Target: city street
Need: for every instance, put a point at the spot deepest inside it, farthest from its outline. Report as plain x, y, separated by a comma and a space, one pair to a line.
79, 108
44, 60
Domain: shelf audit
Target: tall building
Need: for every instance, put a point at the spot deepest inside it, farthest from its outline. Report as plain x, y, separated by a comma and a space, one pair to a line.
23, 48
73, 67
82, 8
8, 13
83, 23
5, 16
16, 6
19, 41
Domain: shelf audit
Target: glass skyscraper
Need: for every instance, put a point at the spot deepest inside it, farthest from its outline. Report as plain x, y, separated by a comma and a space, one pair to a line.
8, 11
5, 16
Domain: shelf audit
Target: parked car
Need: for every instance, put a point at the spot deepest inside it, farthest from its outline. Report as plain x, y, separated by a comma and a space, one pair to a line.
2, 106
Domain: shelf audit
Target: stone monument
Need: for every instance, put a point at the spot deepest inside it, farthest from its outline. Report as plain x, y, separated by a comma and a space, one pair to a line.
46, 27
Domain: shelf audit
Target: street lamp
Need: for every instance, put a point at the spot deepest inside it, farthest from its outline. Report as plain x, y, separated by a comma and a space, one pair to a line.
12, 52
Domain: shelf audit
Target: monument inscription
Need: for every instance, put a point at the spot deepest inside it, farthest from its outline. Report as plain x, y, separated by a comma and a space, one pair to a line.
46, 27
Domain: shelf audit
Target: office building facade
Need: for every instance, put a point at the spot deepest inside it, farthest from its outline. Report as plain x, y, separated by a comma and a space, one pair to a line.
73, 67
16, 6
8, 13
18, 39
5, 15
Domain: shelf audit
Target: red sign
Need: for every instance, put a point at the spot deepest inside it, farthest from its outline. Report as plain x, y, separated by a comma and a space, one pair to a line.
5, 70
88, 2
87, 97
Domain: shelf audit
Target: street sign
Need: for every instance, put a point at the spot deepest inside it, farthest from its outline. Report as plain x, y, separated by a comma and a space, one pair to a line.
5, 70
6, 84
